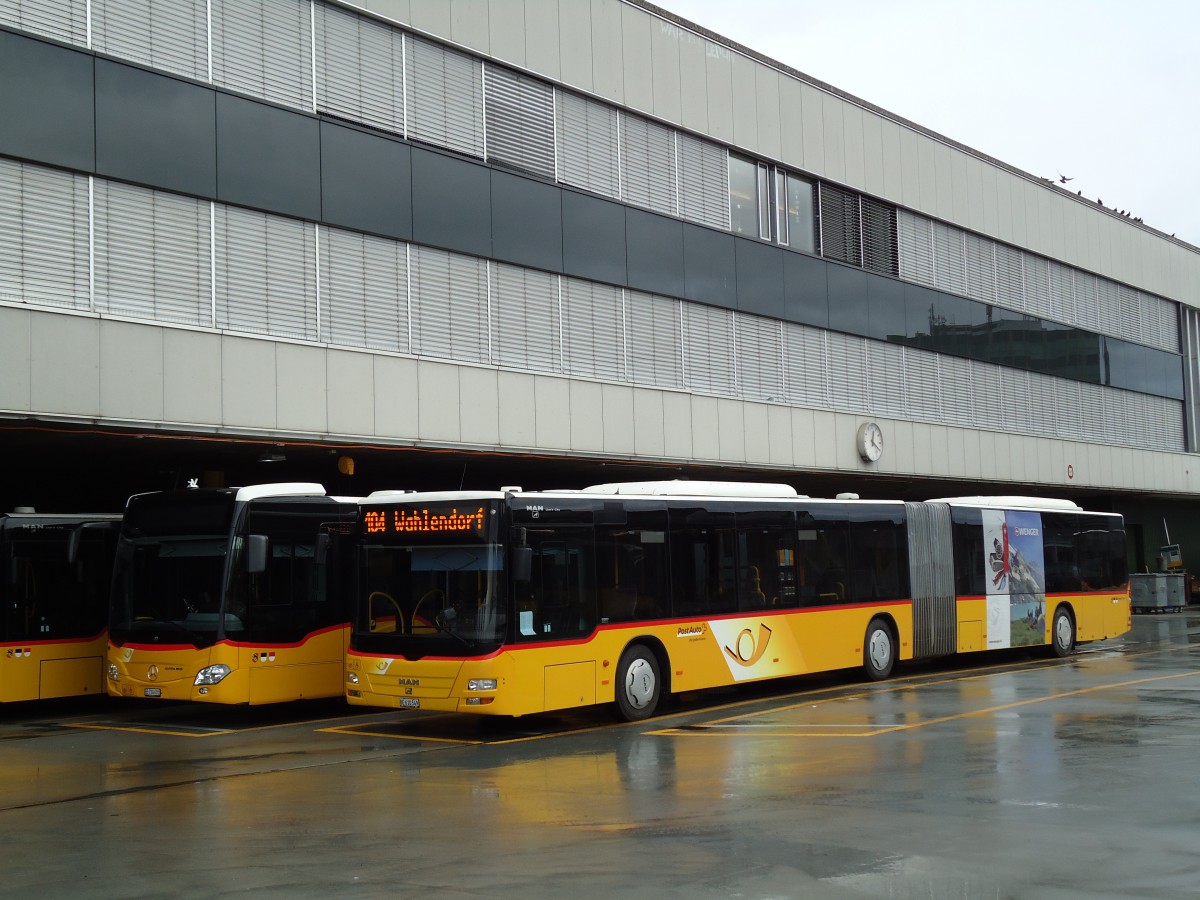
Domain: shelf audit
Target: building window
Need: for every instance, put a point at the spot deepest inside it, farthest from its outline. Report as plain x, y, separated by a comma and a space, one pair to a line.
744, 196
795, 206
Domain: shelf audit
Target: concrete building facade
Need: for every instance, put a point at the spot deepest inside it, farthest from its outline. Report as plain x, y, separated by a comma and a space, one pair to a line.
586, 232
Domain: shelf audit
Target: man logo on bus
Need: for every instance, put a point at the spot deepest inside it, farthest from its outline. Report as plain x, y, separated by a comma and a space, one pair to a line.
746, 650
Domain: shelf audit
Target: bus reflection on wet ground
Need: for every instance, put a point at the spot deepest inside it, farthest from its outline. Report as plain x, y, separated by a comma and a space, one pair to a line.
1028, 776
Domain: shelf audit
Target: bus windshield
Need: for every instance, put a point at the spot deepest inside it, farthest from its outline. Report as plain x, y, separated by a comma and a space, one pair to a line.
169, 590
169, 573
425, 586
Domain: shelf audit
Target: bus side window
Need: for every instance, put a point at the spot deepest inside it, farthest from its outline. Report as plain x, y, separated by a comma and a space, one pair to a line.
561, 584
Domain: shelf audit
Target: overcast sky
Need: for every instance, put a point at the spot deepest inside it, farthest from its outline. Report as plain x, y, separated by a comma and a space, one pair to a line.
1103, 91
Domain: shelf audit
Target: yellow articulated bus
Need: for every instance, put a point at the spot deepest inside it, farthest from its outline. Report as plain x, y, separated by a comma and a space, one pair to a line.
230, 596
513, 602
57, 569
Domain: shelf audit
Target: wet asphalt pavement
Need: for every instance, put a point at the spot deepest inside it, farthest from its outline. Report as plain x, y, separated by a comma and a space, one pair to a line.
997, 776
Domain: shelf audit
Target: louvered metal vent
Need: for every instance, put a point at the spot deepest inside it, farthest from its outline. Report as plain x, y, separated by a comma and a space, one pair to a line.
519, 120
879, 237
841, 225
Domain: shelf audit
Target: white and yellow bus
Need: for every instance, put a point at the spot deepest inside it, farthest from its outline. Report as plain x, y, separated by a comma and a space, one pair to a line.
56, 570
230, 596
513, 602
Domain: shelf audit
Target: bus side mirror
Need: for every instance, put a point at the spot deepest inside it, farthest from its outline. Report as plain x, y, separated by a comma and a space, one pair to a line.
522, 563
73, 540
257, 548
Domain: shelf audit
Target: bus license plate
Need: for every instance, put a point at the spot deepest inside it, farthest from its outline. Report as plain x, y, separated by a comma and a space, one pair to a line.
410, 703
153, 692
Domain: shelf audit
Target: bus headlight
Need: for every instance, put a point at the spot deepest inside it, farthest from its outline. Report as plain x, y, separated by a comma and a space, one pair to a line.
481, 684
212, 674
113, 673
352, 677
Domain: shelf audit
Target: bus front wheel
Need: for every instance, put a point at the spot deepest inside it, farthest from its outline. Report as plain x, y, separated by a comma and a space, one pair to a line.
1062, 633
639, 686
879, 651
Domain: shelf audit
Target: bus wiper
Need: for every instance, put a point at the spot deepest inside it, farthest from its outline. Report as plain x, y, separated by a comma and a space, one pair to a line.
442, 622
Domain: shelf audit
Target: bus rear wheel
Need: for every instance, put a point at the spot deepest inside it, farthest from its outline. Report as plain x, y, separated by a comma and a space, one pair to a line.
879, 651
1062, 633
639, 686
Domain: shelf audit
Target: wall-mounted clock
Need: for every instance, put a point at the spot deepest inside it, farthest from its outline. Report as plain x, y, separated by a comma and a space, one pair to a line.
870, 441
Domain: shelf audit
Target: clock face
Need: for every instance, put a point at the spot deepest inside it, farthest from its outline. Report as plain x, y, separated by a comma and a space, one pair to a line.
870, 441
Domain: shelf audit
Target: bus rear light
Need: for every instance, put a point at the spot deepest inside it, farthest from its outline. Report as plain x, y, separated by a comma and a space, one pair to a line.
212, 674
481, 684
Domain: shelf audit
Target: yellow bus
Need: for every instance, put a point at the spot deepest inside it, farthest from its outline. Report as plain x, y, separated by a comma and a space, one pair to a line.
57, 569
230, 595
513, 602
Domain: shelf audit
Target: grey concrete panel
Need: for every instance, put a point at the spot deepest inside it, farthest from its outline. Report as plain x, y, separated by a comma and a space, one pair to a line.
654, 252
893, 170
552, 413
47, 103
541, 37
268, 158
350, 398
575, 43
587, 416
518, 405
366, 182
853, 141
791, 122
959, 186
479, 406
745, 102
638, 78
756, 434
438, 399
872, 150
151, 129
593, 238
910, 169
760, 278
131, 371
649, 430
396, 10
396, 397
248, 382
617, 403
709, 267
301, 388
706, 443
678, 424
608, 67
15, 332
813, 129
433, 18
191, 365
527, 222
506, 25
693, 78
451, 201
943, 168
664, 54
718, 65
731, 430
834, 137
770, 141
927, 162
470, 26
64, 369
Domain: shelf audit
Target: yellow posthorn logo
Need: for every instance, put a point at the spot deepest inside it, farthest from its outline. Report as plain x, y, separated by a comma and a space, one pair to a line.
746, 651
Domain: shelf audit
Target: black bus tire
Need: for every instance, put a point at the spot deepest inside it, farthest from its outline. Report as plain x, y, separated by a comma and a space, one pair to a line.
1062, 633
879, 650
639, 684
